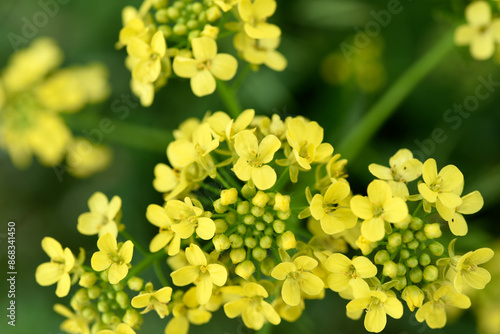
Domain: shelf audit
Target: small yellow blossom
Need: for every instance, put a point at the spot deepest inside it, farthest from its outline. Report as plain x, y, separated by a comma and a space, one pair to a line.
149, 56
254, 157
226, 5
434, 312
281, 202
403, 169
200, 272
157, 216
377, 208
471, 203
467, 270
120, 329
112, 256
252, 307
153, 300
413, 296
206, 66
254, 15
103, 216
260, 51
349, 273
331, 209
188, 219
298, 277
378, 305
58, 269
74, 323
481, 31
443, 189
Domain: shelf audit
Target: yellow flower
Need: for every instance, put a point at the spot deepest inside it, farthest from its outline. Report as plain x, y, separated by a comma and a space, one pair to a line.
260, 51
120, 329
206, 65
252, 307
443, 188
149, 57
305, 139
103, 216
481, 31
75, 323
434, 313
467, 270
403, 169
187, 311
201, 273
254, 157
331, 209
226, 5
133, 27
413, 296
157, 216
349, 273
112, 256
188, 217
471, 203
366, 246
298, 277
254, 15
377, 208
151, 299
378, 305
184, 152
58, 269
287, 312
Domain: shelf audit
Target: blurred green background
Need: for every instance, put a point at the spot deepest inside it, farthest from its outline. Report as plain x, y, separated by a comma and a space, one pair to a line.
41, 205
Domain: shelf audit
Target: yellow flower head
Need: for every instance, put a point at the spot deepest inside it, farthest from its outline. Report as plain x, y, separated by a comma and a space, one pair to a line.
74, 323
226, 5
434, 313
58, 269
120, 329
260, 51
157, 216
298, 278
254, 15
443, 189
188, 219
378, 305
149, 57
471, 203
331, 209
468, 271
113, 257
252, 307
403, 169
153, 300
254, 157
349, 273
481, 31
377, 208
103, 216
206, 66
200, 272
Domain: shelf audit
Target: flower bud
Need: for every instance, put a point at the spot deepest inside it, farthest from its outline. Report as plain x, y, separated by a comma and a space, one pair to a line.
213, 13
382, 256
268, 217
284, 215
102, 306
390, 269
260, 199
197, 7
218, 207
266, 242
407, 236
394, 239
431, 273
432, 231
180, 29
413, 296
122, 300
260, 226
89, 313
242, 229
391, 249
424, 259
80, 299
250, 242
193, 24
88, 279
416, 224
401, 282
94, 292
173, 13
220, 226
243, 208
248, 192
416, 275
237, 255
257, 211
228, 196
401, 269
221, 242
412, 262
236, 240
158, 4
166, 30
413, 244
249, 219
281, 202
404, 254
259, 254
420, 236
287, 240
161, 15
132, 317
279, 226
436, 248
245, 269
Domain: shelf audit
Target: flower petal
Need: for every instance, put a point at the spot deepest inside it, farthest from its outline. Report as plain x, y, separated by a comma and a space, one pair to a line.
203, 83
224, 66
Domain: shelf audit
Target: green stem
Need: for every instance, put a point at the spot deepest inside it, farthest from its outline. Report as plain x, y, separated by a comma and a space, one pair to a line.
146, 262
417, 209
354, 142
159, 273
209, 188
223, 182
229, 178
136, 243
229, 98
281, 180
241, 78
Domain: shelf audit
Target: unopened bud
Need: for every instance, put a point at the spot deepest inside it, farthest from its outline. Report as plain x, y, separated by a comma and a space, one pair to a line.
416, 224
250, 242
236, 240
237, 255
245, 269
219, 207
436, 248
382, 256
413, 296
390, 269
220, 226
266, 242
88, 279
431, 273
243, 208
395, 239
248, 192
279, 226
221, 242
228, 196
424, 259
416, 275
432, 231
287, 240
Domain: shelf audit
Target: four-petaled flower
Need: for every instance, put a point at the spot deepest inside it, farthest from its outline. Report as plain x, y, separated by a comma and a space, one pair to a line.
157, 216
349, 273
147, 57
103, 216
255, 15
153, 300
467, 270
112, 256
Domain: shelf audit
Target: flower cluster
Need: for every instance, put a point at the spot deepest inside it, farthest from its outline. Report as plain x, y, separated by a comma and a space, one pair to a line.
180, 38
481, 32
34, 96
240, 233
